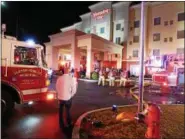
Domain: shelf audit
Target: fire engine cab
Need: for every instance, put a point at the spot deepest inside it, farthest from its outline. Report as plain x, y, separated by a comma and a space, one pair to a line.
167, 70
24, 74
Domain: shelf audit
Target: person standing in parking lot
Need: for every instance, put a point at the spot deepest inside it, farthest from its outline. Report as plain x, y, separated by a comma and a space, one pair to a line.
66, 87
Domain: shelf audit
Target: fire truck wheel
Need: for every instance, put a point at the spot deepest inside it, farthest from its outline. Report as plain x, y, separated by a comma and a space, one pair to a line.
7, 103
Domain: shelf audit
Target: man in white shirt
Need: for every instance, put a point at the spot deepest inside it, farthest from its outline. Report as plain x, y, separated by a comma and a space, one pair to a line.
66, 87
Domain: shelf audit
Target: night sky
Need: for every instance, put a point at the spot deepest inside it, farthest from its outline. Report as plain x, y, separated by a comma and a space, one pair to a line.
37, 20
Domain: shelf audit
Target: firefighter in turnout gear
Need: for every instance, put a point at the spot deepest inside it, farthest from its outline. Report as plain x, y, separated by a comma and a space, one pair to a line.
123, 78
101, 77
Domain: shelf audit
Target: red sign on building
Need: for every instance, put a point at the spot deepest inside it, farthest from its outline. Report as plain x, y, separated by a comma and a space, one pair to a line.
101, 14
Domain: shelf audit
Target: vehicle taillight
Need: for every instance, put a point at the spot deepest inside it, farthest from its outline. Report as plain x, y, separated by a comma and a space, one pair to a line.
50, 96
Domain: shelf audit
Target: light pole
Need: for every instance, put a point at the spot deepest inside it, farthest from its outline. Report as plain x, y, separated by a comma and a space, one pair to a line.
140, 101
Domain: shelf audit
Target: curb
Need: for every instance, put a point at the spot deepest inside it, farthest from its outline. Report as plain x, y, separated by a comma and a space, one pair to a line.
87, 80
76, 129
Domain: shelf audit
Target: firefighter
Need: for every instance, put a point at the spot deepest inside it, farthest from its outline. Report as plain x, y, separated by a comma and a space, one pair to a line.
152, 119
101, 77
111, 77
123, 78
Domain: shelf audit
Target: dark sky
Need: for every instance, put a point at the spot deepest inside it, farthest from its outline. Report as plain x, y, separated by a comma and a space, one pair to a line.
37, 20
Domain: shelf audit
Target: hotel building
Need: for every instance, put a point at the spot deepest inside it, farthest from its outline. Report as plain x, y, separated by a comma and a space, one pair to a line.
110, 32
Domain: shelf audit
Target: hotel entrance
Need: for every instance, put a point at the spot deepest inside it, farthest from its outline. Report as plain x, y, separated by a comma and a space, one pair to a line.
87, 52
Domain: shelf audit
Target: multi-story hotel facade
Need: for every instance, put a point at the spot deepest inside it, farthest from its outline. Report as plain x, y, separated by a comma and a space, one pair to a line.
118, 26
164, 31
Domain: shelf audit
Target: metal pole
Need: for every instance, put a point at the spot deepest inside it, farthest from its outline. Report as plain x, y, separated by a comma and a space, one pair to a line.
140, 101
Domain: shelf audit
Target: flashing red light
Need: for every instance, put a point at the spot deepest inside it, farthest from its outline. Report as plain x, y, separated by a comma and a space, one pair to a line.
17, 59
50, 96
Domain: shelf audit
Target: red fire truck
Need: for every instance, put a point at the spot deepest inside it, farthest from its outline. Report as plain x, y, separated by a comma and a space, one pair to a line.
24, 76
167, 70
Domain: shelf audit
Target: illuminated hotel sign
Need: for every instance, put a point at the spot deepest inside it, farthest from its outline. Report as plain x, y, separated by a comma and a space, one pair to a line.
101, 14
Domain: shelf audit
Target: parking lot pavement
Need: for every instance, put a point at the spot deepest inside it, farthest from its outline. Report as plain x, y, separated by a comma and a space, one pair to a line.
41, 119
154, 94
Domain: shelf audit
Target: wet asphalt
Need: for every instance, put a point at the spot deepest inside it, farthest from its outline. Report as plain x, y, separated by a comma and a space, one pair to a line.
41, 119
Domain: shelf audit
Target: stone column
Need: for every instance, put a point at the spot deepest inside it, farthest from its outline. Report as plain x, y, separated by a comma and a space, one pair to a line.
75, 55
101, 59
90, 62
119, 64
55, 58
49, 57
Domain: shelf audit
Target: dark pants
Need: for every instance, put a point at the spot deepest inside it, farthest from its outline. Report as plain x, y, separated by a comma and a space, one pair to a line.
67, 105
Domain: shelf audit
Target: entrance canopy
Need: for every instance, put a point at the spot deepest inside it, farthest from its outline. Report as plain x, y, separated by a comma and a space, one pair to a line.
76, 43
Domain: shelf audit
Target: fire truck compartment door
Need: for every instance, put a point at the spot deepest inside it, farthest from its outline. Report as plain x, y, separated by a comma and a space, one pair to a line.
172, 80
159, 78
181, 79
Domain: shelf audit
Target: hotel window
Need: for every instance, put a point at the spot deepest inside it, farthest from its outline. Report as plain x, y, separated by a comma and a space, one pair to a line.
165, 39
136, 24
180, 34
157, 21
166, 23
118, 26
136, 39
131, 28
181, 16
122, 29
170, 39
135, 53
88, 31
171, 22
156, 37
180, 50
118, 39
102, 30
130, 43
156, 52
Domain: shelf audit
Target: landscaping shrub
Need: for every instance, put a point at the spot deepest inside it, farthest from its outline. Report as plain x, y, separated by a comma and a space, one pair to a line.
94, 76
82, 74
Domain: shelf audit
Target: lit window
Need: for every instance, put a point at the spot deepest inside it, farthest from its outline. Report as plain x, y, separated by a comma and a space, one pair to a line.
181, 16
156, 37
180, 34
102, 30
118, 40
136, 24
156, 52
157, 21
135, 53
136, 39
180, 50
118, 26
